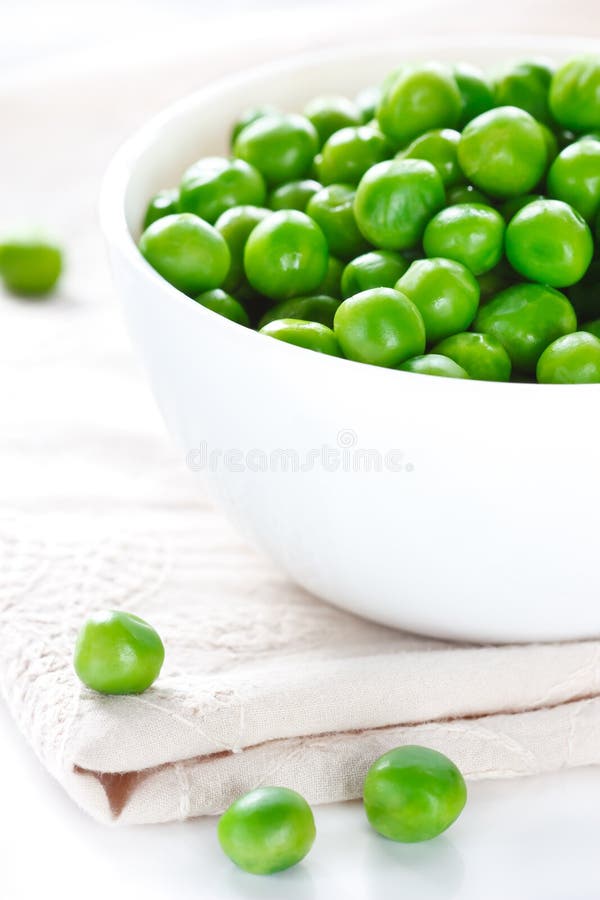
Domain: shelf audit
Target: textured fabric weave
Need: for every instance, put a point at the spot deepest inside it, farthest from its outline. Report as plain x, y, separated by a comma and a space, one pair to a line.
262, 683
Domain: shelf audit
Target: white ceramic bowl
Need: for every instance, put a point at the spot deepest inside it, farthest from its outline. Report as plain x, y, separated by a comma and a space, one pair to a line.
456, 508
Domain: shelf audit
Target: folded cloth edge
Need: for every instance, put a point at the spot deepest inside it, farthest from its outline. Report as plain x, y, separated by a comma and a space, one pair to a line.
331, 767
386, 690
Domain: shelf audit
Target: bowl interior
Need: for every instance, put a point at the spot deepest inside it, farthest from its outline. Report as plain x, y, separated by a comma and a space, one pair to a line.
199, 125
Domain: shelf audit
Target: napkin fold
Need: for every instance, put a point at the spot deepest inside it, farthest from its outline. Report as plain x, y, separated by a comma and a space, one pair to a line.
262, 683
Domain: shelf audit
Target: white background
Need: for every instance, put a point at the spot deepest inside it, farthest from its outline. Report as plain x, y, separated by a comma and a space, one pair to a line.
530, 839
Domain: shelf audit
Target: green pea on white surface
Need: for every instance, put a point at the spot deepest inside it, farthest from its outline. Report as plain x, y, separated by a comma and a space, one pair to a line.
411, 794
31, 263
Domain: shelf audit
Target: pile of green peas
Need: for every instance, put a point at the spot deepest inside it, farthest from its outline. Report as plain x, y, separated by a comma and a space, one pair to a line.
445, 223
410, 794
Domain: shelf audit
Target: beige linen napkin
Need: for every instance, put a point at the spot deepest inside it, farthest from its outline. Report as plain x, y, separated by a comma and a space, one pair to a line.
261, 683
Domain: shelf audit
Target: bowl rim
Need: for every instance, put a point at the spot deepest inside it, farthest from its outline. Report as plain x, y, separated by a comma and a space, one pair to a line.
115, 182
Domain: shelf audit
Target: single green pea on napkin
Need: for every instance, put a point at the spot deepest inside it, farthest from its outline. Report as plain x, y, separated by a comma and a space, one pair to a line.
262, 683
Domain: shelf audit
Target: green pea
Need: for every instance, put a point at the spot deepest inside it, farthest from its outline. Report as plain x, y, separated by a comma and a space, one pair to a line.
592, 327
118, 653
439, 148
348, 154
572, 359
434, 364
503, 152
475, 91
417, 98
395, 200
465, 193
187, 251
164, 203
548, 241
511, 207
30, 263
446, 294
332, 208
281, 147
302, 333
225, 305
575, 94
380, 326
249, 116
367, 101
294, 194
413, 794
330, 113
378, 268
526, 84
286, 255
235, 225
526, 318
213, 185
332, 283
318, 308
585, 295
482, 356
574, 177
267, 830
470, 233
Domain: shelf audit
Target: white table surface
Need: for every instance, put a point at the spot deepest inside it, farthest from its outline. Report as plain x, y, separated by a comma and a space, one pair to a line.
525, 839
529, 839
